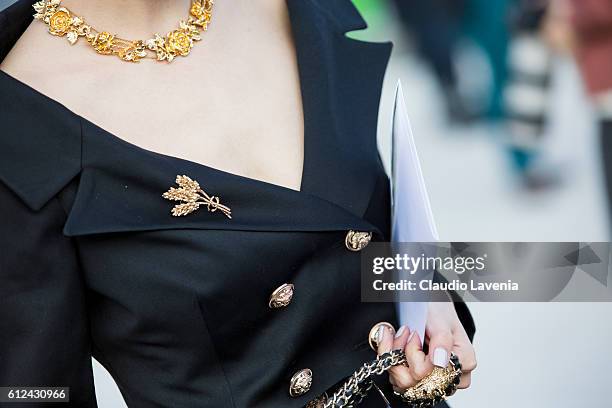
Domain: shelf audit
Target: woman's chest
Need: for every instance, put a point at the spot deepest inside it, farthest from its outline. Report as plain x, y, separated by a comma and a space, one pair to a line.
233, 104
247, 122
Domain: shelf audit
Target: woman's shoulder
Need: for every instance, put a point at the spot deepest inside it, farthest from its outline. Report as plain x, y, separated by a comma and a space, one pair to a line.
35, 58
40, 142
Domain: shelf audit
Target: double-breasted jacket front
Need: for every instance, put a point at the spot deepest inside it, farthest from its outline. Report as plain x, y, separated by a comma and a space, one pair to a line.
201, 310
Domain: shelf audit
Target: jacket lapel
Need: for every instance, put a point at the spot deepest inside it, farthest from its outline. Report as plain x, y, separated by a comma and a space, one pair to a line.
13, 22
341, 82
120, 189
120, 186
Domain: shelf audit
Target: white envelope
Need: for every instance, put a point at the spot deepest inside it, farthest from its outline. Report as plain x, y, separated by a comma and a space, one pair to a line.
413, 219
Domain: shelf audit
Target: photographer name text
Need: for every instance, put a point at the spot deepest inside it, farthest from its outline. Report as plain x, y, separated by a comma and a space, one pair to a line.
456, 285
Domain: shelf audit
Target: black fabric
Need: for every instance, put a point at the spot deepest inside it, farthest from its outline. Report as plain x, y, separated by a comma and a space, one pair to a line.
13, 22
93, 263
44, 335
435, 25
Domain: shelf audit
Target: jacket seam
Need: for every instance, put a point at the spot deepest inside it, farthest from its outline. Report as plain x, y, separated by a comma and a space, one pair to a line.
81, 147
216, 353
57, 196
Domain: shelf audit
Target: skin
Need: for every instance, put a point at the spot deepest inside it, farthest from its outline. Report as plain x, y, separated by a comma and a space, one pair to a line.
443, 330
233, 104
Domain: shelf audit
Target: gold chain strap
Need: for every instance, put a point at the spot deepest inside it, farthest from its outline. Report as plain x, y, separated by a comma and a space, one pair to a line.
352, 392
439, 384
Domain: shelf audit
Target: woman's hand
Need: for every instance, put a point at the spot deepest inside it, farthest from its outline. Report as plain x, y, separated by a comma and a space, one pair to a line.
444, 333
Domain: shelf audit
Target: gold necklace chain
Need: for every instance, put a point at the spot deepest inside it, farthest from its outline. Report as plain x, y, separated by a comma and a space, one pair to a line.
62, 22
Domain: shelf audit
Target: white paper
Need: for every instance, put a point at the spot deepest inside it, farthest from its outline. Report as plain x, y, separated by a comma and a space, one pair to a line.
413, 219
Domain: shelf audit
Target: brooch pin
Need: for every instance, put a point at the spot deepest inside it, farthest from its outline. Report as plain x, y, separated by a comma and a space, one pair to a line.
193, 197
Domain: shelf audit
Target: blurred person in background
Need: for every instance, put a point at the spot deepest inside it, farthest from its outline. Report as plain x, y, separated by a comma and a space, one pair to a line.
592, 23
528, 91
440, 29
486, 23
435, 26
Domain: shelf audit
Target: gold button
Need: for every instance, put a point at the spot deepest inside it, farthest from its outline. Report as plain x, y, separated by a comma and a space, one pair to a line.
357, 240
281, 296
300, 382
373, 336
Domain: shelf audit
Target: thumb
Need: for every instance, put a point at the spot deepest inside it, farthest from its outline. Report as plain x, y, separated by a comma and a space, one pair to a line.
385, 339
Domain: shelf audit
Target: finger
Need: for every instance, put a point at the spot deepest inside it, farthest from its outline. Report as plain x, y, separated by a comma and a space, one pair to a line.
399, 390
441, 343
466, 370
467, 357
399, 340
465, 351
418, 363
384, 339
392, 381
399, 376
466, 381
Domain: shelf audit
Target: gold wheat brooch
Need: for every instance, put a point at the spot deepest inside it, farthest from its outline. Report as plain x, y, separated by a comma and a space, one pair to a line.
192, 197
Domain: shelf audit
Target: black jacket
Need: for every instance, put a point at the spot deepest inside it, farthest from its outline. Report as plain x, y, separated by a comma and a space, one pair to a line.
177, 309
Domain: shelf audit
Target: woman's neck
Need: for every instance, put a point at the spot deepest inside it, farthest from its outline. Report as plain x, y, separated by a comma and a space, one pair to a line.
131, 18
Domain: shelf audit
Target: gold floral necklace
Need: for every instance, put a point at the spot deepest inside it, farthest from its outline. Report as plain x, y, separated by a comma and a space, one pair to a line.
62, 22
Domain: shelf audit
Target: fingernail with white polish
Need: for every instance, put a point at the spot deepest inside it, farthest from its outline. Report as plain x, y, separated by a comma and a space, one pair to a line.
400, 332
440, 357
410, 337
380, 334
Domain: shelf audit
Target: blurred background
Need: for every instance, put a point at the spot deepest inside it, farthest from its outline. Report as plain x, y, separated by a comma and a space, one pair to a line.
510, 102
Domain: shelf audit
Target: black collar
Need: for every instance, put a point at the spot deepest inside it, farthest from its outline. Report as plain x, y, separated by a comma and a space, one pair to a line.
341, 82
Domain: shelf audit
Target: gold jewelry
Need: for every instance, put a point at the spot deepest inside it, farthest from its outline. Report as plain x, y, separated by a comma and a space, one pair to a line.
62, 22
300, 383
436, 386
375, 330
358, 385
357, 240
281, 297
193, 197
